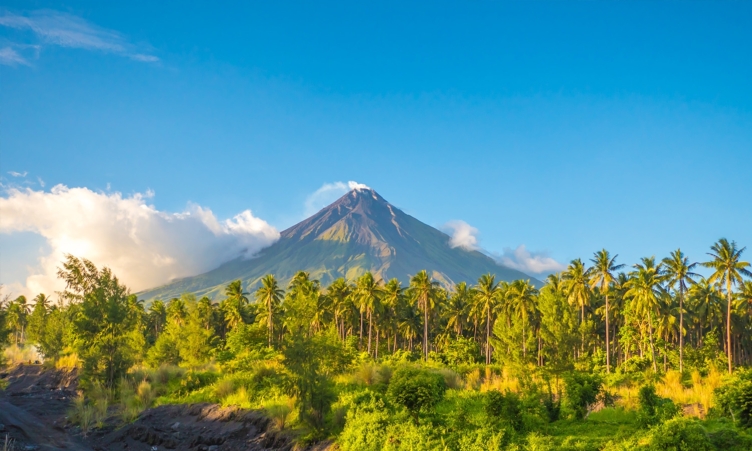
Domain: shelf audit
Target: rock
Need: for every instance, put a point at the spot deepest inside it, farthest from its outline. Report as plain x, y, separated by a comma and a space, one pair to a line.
154, 448
214, 448
2, 427
30, 448
175, 426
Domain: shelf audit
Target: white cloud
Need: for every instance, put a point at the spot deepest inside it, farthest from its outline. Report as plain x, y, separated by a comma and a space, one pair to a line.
18, 174
462, 235
328, 193
66, 30
143, 246
529, 262
10, 57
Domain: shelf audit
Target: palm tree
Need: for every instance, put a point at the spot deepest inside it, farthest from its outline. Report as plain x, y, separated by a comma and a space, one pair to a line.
728, 269
393, 300
602, 272
269, 294
645, 290
423, 289
577, 285
339, 293
235, 303
367, 291
678, 272
706, 306
157, 316
522, 296
457, 307
487, 294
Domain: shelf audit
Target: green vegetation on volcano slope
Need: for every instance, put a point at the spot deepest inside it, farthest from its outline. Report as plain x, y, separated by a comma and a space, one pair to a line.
372, 365
361, 232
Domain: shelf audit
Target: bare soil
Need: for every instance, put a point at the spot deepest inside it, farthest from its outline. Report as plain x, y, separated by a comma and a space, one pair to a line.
35, 404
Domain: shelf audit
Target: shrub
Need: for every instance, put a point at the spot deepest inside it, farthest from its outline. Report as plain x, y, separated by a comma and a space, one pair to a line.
652, 408
504, 407
194, 380
734, 398
680, 434
365, 424
416, 389
730, 439
224, 388
581, 391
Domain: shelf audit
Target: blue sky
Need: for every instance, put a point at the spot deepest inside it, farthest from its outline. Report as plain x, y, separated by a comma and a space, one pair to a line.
561, 126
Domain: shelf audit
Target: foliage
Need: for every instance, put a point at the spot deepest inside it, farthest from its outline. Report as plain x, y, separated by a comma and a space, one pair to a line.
581, 391
416, 389
652, 408
734, 398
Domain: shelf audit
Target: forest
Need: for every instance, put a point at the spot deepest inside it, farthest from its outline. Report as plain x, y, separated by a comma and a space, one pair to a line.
603, 356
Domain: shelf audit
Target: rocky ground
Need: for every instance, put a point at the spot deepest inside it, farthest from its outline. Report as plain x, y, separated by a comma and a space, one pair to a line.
36, 401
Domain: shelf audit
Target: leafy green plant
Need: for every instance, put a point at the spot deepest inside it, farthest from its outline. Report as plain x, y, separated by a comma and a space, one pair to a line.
416, 389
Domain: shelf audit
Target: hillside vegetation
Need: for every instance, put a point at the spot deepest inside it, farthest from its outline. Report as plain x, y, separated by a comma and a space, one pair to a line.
360, 232
602, 357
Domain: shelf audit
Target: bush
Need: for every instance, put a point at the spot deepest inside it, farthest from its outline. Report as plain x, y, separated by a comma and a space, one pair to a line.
365, 424
505, 408
734, 398
194, 380
652, 408
416, 389
730, 439
680, 434
581, 391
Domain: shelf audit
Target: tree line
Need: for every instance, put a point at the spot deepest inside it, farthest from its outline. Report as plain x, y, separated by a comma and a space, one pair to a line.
656, 314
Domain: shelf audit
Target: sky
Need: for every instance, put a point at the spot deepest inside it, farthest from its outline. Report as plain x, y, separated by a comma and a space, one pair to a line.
160, 137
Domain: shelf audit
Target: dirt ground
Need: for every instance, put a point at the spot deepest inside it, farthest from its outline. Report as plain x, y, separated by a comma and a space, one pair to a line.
35, 404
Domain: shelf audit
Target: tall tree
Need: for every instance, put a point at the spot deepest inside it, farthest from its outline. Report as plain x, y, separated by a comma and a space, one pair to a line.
678, 273
645, 290
604, 267
457, 307
235, 303
577, 286
728, 269
269, 295
423, 289
367, 291
523, 298
339, 292
487, 293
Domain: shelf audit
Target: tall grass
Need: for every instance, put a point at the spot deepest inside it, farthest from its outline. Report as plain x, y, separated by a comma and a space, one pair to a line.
15, 355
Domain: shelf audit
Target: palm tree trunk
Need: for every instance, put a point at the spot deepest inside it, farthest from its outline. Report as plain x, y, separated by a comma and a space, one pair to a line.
652, 346
488, 335
681, 328
608, 343
370, 326
360, 341
425, 328
728, 324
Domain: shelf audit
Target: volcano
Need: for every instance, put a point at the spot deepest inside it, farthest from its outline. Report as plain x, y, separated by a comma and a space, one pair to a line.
359, 232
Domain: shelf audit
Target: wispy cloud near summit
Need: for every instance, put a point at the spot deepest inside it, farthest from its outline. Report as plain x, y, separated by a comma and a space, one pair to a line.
328, 193
53, 28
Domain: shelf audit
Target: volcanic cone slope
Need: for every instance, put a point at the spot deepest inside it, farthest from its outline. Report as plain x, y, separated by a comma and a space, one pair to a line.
359, 232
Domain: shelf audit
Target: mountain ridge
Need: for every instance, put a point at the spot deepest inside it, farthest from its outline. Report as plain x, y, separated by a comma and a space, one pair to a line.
360, 231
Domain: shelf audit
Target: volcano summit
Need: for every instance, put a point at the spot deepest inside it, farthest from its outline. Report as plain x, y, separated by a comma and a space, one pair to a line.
359, 232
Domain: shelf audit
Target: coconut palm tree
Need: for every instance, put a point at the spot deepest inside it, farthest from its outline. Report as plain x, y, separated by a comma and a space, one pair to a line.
523, 297
604, 267
269, 295
234, 304
645, 290
706, 309
577, 285
157, 316
457, 307
728, 269
487, 295
393, 300
423, 290
367, 291
678, 273
339, 292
